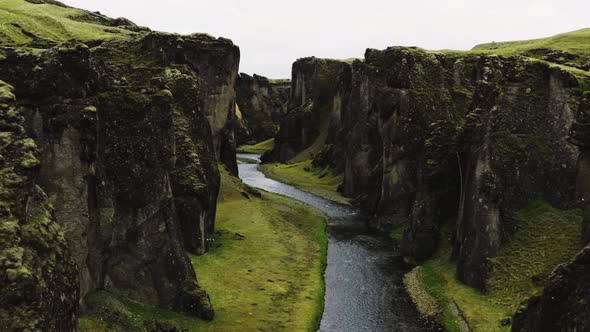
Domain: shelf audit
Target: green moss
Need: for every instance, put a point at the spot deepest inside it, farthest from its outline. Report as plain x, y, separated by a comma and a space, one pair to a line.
322, 182
546, 237
397, 233
258, 148
519, 146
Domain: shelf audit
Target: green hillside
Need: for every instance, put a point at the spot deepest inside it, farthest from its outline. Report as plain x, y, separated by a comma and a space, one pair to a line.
569, 49
40, 24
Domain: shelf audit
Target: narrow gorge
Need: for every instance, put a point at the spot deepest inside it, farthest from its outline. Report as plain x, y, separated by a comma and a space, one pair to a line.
148, 185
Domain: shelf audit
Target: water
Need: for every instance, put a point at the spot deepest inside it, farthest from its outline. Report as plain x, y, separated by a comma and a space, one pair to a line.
364, 288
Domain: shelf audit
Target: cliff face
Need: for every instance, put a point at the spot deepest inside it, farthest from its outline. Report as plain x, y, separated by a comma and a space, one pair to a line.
260, 102
563, 305
307, 124
423, 138
130, 130
38, 277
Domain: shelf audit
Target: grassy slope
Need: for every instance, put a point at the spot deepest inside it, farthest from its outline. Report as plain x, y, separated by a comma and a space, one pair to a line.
575, 42
546, 237
299, 171
267, 278
47, 22
320, 182
258, 148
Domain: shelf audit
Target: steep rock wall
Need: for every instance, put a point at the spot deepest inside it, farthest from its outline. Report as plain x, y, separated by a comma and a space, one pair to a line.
38, 277
424, 137
260, 103
563, 305
313, 114
130, 132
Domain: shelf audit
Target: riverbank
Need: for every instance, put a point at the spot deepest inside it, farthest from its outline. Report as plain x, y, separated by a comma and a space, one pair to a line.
322, 182
258, 148
546, 238
264, 270
300, 173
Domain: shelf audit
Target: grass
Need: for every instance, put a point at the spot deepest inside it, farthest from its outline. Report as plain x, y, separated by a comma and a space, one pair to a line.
258, 148
546, 238
574, 42
22, 22
264, 271
322, 182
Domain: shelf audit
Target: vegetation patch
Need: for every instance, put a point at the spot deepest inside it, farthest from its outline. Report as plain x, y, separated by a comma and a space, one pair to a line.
322, 182
25, 23
397, 233
258, 148
264, 271
546, 237
570, 48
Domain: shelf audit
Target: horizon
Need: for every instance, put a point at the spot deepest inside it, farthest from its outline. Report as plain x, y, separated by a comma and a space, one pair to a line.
271, 36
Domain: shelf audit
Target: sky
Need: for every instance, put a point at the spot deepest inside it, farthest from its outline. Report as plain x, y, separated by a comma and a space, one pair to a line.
273, 34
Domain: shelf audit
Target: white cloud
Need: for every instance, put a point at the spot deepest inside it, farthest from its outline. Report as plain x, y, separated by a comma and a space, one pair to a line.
272, 34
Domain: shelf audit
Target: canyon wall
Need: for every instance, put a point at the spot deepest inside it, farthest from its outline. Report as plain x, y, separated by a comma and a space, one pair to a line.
310, 112
424, 138
563, 305
38, 276
260, 102
130, 130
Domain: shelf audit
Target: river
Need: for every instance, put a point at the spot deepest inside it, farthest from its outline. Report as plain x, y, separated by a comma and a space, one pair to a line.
364, 288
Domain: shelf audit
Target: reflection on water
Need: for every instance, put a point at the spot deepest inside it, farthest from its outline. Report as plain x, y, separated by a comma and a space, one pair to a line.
364, 289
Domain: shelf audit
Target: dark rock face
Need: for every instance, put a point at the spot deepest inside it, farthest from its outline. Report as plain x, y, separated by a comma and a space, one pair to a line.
580, 136
38, 277
130, 132
314, 108
563, 306
423, 138
260, 102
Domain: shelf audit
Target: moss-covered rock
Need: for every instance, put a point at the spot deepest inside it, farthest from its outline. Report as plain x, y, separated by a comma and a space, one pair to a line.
38, 277
130, 125
423, 137
313, 108
261, 103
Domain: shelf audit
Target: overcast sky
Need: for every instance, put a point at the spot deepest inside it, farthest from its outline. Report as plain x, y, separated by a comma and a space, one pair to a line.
272, 34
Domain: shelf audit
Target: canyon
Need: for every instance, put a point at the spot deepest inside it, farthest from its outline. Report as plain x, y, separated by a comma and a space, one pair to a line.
120, 150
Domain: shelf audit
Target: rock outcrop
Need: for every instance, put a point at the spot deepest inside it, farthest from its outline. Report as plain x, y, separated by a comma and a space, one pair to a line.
425, 137
563, 306
260, 102
38, 277
313, 113
130, 131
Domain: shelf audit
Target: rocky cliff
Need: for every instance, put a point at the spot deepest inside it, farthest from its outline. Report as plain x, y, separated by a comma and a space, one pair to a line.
38, 277
563, 305
426, 137
130, 126
311, 111
260, 102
